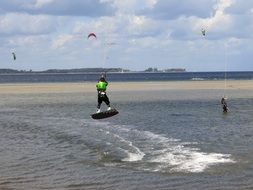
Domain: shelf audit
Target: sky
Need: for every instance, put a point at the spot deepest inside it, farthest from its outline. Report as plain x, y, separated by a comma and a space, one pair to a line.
131, 34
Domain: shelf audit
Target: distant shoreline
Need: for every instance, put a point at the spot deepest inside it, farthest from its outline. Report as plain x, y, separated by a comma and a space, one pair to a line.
84, 73
89, 71
108, 72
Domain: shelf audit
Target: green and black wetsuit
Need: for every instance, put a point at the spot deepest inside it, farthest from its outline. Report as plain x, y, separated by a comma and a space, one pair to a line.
224, 105
101, 88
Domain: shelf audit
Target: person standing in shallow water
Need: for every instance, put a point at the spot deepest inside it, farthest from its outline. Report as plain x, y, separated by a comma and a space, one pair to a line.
224, 105
102, 97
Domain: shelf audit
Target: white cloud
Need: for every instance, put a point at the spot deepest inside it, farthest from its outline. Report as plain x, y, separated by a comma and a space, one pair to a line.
41, 3
169, 10
142, 26
89, 8
17, 23
220, 19
145, 32
138, 24
219, 24
61, 40
240, 7
28, 41
131, 6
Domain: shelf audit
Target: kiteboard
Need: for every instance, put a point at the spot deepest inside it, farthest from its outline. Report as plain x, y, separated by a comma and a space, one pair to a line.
104, 114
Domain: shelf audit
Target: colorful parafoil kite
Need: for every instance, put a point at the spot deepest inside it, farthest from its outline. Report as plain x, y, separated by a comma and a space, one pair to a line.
203, 31
92, 35
14, 56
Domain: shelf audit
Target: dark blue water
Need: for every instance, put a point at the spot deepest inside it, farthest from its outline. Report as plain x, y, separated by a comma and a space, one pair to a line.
160, 140
164, 139
9, 78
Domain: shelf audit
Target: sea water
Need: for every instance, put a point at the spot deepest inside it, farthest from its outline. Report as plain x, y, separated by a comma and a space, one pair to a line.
168, 139
130, 76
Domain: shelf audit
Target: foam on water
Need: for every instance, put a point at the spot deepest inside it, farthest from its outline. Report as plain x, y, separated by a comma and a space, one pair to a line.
160, 153
133, 157
147, 150
180, 157
184, 159
134, 153
115, 143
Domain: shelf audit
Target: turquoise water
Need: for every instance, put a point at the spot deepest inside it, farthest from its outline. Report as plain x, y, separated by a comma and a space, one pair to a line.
173, 139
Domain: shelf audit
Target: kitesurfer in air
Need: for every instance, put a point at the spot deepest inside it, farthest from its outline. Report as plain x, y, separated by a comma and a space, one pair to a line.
102, 97
224, 105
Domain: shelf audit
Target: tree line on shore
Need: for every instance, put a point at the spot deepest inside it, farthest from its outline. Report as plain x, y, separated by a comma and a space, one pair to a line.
88, 70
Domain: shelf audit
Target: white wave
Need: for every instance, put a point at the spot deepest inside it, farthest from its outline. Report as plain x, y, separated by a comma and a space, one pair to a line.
160, 153
178, 157
115, 142
134, 153
133, 157
175, 155
197, 79
186, 160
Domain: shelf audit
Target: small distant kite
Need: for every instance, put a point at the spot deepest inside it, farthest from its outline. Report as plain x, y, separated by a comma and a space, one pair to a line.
203, 31
92, 35
14, 56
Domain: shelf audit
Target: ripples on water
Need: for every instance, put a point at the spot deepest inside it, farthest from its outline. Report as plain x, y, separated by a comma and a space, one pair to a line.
48, 141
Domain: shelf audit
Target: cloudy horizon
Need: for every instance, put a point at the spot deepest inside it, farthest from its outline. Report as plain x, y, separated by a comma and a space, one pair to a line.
131, 34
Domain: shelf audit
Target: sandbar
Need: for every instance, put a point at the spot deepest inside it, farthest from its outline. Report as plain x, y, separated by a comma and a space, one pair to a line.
11, 88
